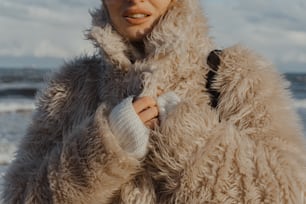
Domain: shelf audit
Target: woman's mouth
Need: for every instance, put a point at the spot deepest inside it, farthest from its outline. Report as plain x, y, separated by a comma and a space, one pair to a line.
136, 16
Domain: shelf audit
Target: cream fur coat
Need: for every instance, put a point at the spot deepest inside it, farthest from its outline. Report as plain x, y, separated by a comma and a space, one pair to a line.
249, 149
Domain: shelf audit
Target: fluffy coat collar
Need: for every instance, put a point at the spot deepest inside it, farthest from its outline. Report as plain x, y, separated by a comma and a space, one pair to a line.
181, 29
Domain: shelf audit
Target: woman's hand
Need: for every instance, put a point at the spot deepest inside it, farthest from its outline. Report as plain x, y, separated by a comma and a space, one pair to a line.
147, 110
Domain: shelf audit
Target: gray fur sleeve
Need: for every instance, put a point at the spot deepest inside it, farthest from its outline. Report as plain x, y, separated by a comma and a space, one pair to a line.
256, 105
219, 161
64, 158
255, 98
249, 149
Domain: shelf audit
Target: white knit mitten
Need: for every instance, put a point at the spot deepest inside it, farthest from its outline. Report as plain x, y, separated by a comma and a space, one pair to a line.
166, 103
132, 134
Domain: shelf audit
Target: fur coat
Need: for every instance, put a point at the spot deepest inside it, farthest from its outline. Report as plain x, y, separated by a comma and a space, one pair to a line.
249, 149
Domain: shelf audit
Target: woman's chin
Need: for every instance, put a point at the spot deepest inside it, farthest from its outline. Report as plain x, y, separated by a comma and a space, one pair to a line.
136, 32
136, 35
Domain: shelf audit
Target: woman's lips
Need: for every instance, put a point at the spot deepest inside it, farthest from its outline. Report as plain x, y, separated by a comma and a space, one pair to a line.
136, 16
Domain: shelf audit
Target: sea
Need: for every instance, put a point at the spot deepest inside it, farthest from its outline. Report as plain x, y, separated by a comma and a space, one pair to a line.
17, 92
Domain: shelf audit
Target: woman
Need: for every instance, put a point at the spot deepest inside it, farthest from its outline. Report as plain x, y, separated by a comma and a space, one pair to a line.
137, 125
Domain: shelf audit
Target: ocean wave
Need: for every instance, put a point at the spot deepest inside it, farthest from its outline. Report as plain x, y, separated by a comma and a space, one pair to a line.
20, 85
7, 151
16, 105
19, 89
300, 103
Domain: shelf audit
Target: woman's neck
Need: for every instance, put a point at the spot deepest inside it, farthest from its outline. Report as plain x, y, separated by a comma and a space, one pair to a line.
139, 48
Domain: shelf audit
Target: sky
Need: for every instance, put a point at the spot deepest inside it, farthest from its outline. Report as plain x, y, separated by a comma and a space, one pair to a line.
36, 33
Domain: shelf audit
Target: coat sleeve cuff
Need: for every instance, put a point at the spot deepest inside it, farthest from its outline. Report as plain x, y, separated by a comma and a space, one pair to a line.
128, 128
166, 103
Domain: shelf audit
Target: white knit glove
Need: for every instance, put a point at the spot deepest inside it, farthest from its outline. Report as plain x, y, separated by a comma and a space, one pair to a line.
132, 134
166, 103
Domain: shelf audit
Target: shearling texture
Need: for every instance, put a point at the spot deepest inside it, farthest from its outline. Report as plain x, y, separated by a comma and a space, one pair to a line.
249, 149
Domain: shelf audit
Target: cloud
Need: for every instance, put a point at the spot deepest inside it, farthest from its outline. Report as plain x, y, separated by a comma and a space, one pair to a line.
41, 28
54, 29
43, 12
275, 28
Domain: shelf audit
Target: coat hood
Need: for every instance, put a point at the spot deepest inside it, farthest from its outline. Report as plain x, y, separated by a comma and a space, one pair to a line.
181, 28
